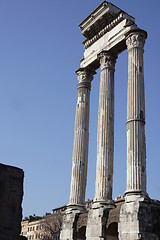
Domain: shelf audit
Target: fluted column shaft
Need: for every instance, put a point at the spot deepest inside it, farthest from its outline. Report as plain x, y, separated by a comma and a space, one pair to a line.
105, 132
81, 137
136, 146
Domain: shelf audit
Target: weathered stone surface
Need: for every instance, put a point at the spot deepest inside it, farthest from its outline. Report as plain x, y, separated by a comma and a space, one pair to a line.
105, 29
81, 137
11, 193
69, 225
80, 155
96, 224
136, 146
105, 131
147, 213
110, 223
97, 216
140, 220
113, 216
82, 220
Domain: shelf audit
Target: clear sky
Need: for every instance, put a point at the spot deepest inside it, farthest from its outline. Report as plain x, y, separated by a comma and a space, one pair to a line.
40, 49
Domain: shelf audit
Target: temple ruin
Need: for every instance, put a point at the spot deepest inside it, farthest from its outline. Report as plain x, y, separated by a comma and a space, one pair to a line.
108, 31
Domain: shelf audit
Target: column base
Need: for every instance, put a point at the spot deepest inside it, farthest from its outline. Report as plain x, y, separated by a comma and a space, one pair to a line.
97, 219
70, 218
96, 224
139, 220
75, 207
106, 204
135, 195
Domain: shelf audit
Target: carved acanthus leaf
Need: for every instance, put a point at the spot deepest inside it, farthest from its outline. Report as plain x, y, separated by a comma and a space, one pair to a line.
135, 39
107, 60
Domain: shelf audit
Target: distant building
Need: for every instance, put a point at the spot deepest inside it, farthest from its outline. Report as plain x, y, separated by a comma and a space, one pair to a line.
46, 227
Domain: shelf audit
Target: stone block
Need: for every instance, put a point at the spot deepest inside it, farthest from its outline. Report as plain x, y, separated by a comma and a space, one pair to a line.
140, 220
96, 225
11, 189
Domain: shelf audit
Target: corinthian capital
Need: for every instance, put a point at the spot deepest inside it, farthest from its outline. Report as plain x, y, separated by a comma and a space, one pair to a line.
85, 76
107, 60
136, 39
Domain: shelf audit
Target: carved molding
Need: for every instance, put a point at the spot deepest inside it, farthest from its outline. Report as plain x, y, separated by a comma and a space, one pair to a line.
85, 76
87, 43
135, 40
107, 60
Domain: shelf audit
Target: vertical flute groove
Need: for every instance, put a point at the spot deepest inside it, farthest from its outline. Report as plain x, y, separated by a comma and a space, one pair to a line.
81, 136
136, 149
105, 131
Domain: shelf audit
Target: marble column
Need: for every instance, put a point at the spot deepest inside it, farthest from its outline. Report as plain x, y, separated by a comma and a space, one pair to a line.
136, 146
105, 132
81, 137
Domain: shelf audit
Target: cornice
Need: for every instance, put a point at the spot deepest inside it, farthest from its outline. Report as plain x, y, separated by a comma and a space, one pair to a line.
101, 20
102, 15
87, 43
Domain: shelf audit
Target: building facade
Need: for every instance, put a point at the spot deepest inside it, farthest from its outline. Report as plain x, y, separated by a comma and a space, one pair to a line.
44, 228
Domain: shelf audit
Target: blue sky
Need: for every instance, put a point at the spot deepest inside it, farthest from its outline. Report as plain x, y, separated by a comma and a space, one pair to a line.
40, 49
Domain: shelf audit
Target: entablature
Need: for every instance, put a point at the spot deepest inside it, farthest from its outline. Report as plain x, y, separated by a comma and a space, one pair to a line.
105, 29
101, 17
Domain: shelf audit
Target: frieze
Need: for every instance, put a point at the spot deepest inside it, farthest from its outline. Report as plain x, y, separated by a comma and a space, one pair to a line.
87, 43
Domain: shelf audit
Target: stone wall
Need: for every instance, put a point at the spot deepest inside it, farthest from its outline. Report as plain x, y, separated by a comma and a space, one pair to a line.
111, 226
11, 193
140, 220
148, 217
155, 217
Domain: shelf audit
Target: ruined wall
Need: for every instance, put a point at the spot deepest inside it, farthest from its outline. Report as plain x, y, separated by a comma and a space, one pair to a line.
149, 218
148, 215
11, 193
111, 226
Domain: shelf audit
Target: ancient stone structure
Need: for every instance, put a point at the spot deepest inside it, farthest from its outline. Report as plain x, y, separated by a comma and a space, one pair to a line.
109, 31
11, 193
